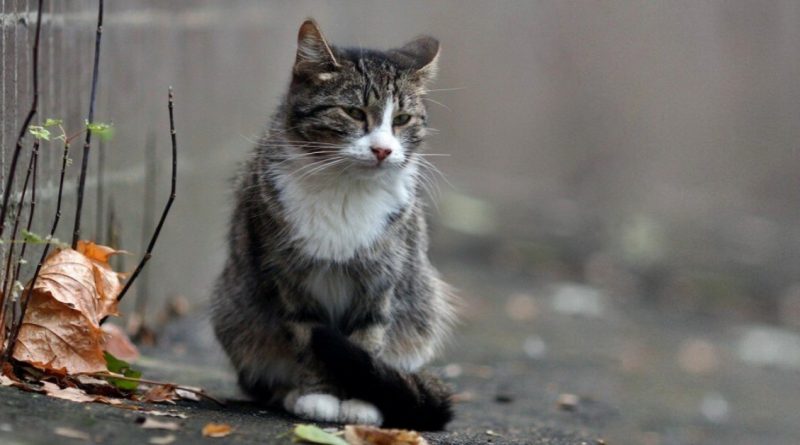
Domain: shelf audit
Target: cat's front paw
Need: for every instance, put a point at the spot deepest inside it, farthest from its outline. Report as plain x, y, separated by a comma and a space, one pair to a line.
314, 406
359, 412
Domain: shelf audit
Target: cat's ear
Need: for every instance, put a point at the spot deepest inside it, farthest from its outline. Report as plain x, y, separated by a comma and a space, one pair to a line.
313, 52
422, 54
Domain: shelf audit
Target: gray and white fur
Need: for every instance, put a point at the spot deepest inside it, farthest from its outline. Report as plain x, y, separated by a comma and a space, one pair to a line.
328, 305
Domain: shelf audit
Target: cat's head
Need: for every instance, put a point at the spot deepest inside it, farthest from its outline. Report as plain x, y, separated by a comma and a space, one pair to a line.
361, 107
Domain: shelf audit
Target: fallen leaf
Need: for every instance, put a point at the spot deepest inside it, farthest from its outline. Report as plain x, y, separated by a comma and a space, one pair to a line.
153, 424
216, 430
160, 393
118, 366
61, 329
75, 394
71, 433
162, 440
117, 343
314, 434
368, 435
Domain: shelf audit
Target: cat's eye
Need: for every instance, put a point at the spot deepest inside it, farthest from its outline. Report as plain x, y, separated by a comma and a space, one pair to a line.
355, 113
401, 119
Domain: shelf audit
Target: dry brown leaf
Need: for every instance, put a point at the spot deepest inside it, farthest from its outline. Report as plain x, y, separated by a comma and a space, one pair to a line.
118, 344
61, 330
160, 393
71, 433
368, 435
75, 394
153, 424
216, 430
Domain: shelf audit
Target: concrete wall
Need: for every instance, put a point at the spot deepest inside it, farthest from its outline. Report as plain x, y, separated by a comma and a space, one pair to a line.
652, 132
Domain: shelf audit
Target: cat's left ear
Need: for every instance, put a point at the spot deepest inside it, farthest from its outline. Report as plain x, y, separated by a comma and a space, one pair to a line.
422, 54
314, 54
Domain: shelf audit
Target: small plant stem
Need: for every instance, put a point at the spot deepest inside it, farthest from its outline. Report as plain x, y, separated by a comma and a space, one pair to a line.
199, 392
7, 281
76, 232
7, 278
32, 112
30, 213
25, 297
157, 231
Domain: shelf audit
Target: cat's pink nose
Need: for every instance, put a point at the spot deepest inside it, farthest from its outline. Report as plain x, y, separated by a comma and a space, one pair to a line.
381, 153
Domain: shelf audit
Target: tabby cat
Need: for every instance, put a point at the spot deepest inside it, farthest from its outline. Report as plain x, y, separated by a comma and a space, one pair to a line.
328, 305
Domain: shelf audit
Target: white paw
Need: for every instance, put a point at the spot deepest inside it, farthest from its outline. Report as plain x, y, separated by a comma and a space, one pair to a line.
314, 406
359, 412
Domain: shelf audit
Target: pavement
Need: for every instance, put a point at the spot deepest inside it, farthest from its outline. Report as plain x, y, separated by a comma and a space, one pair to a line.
560, 363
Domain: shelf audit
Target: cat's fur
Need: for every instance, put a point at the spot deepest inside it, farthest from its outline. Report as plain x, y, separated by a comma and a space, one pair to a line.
328, 305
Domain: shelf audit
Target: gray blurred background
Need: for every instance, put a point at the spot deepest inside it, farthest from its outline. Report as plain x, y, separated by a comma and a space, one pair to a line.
646, 149
653, 141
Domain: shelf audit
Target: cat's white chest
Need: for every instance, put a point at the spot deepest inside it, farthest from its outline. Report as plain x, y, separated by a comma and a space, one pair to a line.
335, 221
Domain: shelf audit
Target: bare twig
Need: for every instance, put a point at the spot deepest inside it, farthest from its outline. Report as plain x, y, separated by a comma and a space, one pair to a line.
30, 213
154, 238
17, 217
25, 297
15, 158
199, 392
8, 282
26, 123
76, 233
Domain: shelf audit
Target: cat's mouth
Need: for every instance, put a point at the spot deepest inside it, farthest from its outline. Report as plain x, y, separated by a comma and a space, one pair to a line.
374, 165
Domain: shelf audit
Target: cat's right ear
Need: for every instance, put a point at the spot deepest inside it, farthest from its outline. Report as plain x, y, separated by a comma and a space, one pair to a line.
314, 55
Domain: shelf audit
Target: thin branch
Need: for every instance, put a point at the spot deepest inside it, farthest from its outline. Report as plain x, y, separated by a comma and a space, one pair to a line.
17, 217
199, 392
30, 213
27, 122
154, 238
25, 297
76, 233
8, 283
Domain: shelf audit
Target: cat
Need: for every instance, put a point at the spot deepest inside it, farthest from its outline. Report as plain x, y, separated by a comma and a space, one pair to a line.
328, 305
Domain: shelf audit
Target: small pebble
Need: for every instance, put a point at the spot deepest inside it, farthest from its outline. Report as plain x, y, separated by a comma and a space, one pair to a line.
568, 402
534, 347
463, 397
503, 398
714, 407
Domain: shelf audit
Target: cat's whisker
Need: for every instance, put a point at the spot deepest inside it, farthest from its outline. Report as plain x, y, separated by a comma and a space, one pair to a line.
428, 99
310, 165
436, 90
430, 166
290, 158
321, 168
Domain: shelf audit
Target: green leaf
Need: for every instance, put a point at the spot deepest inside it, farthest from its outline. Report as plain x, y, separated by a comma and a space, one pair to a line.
32, 238
50, 122
313, 434
101, 129
39, 132
118, 366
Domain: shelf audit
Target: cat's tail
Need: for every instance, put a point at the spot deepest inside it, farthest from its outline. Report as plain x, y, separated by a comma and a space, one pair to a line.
415, 401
